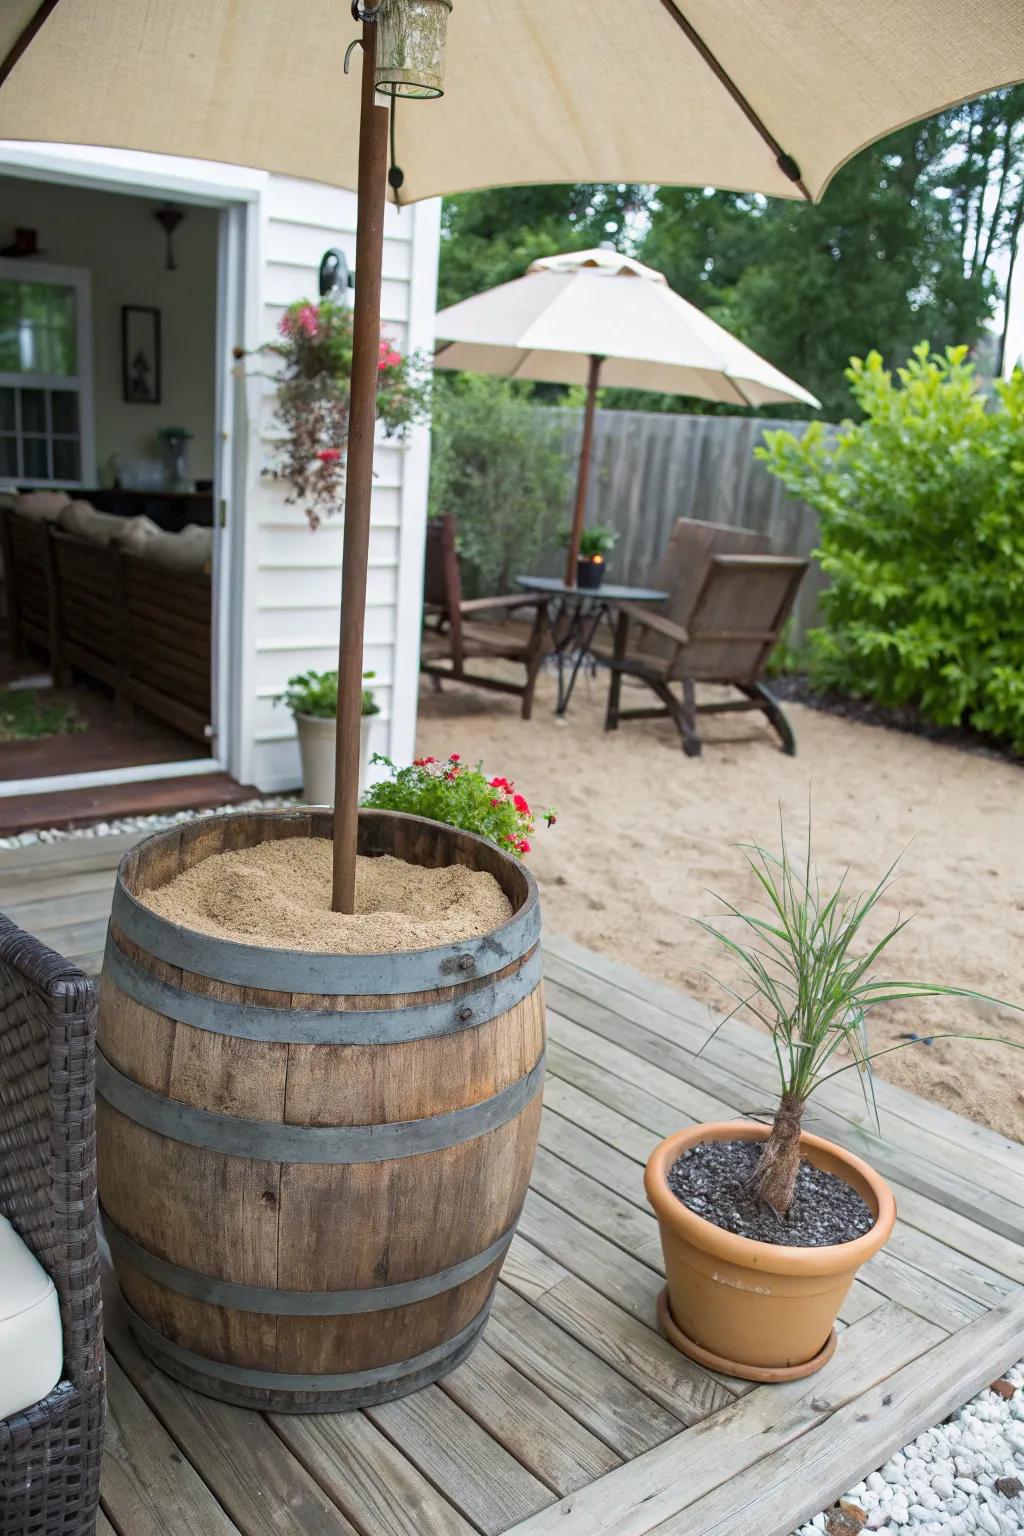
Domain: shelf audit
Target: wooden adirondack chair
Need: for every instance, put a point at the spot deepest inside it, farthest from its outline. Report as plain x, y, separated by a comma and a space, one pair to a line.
684, 565
457, 629
733, 627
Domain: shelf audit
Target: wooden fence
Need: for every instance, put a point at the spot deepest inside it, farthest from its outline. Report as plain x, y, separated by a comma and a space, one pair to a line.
648, 469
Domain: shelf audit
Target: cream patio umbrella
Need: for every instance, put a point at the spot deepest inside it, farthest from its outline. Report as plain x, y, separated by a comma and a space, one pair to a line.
595, 317
757, 95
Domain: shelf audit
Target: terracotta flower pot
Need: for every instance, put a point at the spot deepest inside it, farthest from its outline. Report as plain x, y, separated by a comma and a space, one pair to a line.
760, 1311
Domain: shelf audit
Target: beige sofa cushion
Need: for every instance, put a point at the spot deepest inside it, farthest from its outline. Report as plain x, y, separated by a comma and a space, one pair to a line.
183, 551
31, 1341
41, 506
83, 519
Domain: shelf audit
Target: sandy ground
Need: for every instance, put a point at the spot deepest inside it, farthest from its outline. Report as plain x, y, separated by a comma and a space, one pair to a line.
644, 835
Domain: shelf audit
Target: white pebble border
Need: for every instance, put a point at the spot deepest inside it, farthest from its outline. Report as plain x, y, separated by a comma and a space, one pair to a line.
138, 823
943, 1483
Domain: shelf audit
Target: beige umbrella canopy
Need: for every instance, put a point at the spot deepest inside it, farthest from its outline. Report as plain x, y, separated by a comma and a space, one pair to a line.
756, 95
599, 318
703, 92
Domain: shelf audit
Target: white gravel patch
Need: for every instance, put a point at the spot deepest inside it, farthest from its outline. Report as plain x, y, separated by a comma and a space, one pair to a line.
139, 823
945, 1482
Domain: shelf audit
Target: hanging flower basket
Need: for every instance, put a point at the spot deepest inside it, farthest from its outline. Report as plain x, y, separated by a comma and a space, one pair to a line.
314, 345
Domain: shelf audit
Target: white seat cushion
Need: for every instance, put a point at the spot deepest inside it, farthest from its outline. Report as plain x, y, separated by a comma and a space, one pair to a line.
31, 1341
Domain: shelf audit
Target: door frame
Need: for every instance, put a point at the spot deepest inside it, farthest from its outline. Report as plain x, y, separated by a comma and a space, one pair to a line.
236, 192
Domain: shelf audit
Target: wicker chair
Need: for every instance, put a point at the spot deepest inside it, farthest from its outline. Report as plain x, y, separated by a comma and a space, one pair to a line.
50, 1452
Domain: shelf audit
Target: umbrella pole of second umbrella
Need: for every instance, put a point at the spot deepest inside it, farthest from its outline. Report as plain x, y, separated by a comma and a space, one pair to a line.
583, 476
373, 159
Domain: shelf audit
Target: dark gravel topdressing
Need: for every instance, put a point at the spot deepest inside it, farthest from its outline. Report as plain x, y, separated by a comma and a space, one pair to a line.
713, 1181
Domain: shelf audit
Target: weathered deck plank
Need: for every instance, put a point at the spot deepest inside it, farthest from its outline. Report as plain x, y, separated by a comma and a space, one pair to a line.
575, 1416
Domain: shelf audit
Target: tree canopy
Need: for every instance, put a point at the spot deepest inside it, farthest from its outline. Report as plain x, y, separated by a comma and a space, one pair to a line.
902, 246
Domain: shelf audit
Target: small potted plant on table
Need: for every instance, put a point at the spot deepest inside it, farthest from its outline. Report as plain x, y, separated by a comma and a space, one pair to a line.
312, 698
596, 544
764, 1228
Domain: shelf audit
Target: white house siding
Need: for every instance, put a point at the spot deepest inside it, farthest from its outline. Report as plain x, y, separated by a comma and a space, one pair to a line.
292, 582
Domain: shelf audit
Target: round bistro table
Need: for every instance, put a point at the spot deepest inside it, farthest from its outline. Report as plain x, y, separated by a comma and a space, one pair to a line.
574, 616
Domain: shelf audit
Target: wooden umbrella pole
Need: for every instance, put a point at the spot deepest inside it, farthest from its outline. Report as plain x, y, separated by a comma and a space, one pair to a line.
373, 160
583, 476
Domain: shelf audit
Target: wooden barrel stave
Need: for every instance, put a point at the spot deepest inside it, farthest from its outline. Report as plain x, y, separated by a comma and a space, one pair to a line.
273, 1226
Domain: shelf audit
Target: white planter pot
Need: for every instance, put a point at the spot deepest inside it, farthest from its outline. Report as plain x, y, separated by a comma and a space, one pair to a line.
316, 744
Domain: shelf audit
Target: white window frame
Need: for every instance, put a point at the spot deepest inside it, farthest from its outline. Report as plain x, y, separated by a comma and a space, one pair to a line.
27, 270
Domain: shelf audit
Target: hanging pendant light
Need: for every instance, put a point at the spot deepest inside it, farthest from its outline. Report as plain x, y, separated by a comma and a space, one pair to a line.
411, 38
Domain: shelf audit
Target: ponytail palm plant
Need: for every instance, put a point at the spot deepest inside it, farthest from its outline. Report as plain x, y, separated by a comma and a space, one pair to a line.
809, 976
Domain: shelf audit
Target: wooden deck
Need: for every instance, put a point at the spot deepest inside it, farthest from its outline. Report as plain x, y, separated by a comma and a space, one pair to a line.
573, 1415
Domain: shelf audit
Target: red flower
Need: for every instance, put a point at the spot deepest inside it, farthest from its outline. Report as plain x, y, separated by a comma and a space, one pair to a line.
500, 784
329, 455
456, 757
550, 817
495, 804
523, 845
423, 762
520, 804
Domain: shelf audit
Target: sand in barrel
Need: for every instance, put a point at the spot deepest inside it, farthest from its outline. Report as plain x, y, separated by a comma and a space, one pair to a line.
279, 894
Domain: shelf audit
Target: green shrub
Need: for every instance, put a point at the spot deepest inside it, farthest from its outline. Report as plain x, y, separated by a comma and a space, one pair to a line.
921, 508
500, 469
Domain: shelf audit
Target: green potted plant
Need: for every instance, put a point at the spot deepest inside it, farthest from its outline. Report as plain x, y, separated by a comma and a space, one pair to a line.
312, 698
764, 1227
596, 544
448, 790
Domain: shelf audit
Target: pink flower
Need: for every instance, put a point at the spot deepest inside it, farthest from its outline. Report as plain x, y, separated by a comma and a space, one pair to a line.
308, 320
285, 325
388, 357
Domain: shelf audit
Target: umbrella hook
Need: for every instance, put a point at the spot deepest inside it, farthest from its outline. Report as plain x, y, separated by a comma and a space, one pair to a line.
353, 45
363, 12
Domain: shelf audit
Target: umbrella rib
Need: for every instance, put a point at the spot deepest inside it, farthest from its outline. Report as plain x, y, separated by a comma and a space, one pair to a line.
25, 37
787, 165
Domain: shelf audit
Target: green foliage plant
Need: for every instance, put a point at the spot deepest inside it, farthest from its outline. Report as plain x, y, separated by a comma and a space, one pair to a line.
807, 973
597, 540
498, 465
448, 790
316, 693
921, 510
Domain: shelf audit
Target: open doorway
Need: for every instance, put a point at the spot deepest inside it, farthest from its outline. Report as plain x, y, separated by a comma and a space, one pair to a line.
108, 455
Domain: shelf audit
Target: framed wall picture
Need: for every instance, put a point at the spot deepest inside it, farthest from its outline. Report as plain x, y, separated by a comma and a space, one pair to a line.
140, 354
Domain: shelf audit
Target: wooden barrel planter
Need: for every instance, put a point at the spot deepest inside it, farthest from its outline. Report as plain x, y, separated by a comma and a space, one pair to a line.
311, 1165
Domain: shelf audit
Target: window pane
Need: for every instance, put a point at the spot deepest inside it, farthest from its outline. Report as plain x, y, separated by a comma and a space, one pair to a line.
7, 418
36, 462
65, 459
63, 332
10, 356
64, 409
9, 456
38, 331
33, 410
